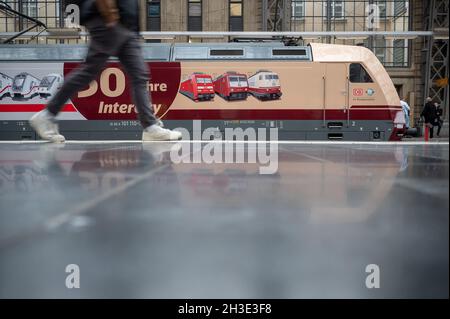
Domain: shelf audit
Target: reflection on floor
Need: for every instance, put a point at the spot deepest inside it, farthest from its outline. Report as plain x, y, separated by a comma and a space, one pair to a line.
141, 226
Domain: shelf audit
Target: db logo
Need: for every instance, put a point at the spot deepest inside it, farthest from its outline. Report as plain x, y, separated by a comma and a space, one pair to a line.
358, 92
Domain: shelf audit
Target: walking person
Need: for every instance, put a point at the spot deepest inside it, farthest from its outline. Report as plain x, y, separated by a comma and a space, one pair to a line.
438, 122
113, 27
429, 115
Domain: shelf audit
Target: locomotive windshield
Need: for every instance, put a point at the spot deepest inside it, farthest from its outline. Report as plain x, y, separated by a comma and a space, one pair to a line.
47, 81
204, 80
18, 81
238, 81
358, 74
271, 77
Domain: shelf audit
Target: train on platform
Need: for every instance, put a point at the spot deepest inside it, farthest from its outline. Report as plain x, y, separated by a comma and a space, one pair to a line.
312, 92
198, 87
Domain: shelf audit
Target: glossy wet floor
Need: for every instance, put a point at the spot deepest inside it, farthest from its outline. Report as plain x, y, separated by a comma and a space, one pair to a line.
141, 222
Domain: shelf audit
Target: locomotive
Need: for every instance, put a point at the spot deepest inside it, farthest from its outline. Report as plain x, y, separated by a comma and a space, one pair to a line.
313, 92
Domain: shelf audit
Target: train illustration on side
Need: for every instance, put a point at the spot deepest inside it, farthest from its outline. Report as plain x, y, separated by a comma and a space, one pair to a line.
26, 86
5, 85
232, 86
50, 84
265, 85
198, 87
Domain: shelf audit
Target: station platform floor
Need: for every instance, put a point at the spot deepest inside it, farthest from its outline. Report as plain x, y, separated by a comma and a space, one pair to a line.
140, 222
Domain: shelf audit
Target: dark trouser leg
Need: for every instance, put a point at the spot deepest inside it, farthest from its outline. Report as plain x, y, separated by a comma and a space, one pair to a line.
439, 130
79, 78
130, 55
104, 43
431, 131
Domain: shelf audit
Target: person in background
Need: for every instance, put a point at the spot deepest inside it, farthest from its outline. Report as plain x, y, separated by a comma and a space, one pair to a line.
438, 121
407, 111
429, 115
114, 31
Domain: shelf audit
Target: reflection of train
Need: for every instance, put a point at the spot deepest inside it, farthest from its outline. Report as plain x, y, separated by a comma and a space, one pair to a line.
5, 85
346, 189
50, 84
25, 85
198, 87
231, 86
265, 85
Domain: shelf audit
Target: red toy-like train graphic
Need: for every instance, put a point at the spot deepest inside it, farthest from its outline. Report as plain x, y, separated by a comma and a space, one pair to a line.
198, 87
231, 86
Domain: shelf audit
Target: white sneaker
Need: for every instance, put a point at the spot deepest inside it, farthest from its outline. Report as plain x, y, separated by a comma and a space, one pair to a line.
44, 124
156, 133
159, 123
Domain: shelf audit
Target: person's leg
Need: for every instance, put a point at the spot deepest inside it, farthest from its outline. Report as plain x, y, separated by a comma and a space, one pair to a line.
78, 79
44, 122
439, 129
431, 131
102, 45
130, 55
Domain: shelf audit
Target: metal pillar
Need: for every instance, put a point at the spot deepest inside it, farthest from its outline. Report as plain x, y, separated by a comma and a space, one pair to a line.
328, 20
437, 53
371, 39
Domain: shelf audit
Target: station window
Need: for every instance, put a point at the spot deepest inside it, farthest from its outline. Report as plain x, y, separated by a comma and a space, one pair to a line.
153, 17
236, 22
358, 74
400, 7
30, 8
153, 9
382, 6
298, 9
336, 9
399, 52
194, 15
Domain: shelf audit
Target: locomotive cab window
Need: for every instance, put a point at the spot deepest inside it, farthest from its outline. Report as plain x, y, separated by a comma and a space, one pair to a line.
358, 74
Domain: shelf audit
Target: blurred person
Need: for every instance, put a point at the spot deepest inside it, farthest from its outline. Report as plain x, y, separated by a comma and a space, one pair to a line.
113, 27
407, 111
429, 115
